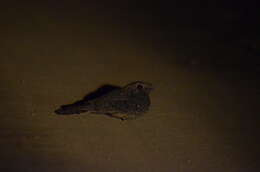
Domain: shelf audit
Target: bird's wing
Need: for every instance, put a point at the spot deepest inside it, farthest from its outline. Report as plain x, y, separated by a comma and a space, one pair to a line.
113, 101
115, 95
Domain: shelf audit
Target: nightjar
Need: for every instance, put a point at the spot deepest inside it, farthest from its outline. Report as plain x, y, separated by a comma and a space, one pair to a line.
128, 102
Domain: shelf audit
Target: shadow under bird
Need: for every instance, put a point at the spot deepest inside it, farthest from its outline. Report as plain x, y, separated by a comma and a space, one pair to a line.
128, 102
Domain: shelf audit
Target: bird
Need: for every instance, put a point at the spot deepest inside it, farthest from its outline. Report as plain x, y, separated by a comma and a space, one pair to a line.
127, 102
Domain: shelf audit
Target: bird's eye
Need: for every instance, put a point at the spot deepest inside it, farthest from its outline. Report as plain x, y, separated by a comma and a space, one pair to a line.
139, 87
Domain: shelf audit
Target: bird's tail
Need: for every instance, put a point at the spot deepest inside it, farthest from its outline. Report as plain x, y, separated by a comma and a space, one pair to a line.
70, 109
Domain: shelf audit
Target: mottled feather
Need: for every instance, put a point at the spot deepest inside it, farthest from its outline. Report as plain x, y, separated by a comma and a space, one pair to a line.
129, 102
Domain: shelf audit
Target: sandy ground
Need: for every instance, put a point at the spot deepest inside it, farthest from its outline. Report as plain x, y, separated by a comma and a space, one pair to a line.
200, 119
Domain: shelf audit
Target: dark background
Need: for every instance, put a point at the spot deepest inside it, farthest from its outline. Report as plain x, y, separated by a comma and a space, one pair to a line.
215, 32
201, 56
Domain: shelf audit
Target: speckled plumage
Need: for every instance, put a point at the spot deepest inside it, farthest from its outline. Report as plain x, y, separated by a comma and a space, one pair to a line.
127, 102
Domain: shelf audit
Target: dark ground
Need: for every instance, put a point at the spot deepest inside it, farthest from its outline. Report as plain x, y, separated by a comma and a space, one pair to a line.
203, 59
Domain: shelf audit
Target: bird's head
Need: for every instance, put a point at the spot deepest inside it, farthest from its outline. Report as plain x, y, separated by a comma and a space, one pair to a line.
140, 86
